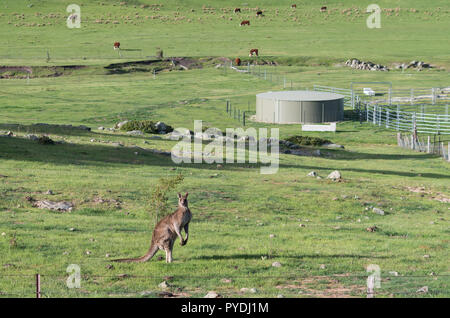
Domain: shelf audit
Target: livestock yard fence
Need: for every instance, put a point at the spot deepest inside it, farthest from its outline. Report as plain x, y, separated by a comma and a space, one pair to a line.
393, 117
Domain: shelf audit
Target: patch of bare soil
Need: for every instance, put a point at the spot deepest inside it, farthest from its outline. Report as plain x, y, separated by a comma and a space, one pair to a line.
186, 63
166, 294
332, 288
23, 72
50, 205
114, 202
438, 196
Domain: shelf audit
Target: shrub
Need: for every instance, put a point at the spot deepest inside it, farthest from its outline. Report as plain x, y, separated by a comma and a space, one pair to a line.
308, 141
146, 126
159, 195
45, 140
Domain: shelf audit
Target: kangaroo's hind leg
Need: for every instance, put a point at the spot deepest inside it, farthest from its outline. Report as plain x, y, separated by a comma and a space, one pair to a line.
186, 229
168, 250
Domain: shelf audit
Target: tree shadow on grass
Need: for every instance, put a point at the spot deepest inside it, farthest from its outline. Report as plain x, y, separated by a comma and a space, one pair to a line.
22, 149
371, 171
356, 155
103, 155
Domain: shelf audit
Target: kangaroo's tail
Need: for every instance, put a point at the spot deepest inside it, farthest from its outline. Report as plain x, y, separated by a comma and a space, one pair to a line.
151, 252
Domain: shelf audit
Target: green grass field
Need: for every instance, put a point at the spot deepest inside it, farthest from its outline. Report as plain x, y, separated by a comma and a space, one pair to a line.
243, 221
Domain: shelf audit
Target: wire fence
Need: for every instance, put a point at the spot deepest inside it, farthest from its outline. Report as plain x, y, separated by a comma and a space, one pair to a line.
390, 284
265, 73
239, 114
425, 144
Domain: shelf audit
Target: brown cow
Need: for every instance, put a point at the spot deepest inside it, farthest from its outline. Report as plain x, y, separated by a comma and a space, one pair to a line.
116, 45
294, 6
237, 61
236, 10
253, 52
323, 9
259, 13
245, 22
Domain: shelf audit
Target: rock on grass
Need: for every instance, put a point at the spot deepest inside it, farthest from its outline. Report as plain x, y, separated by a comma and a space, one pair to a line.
378, 211
212, 294
276, 264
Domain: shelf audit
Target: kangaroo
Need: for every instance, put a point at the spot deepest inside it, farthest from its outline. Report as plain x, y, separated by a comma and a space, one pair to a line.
166, 232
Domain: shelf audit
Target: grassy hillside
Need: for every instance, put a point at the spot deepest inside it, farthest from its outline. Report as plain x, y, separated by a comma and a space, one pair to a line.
418, 30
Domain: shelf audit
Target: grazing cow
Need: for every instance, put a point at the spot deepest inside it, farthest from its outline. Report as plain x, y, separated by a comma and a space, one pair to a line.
294, 6
116, 45
73, 17
323, 9
236, 10
245, 22
259, 13
253, 52
237, 61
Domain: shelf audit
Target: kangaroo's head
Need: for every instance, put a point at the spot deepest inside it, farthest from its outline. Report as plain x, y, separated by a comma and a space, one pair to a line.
182, 200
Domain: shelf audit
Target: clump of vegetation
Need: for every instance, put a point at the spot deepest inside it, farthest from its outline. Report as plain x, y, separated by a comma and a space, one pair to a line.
13, 240
45, 140
308, 141
159, 200
146, 126
159, 53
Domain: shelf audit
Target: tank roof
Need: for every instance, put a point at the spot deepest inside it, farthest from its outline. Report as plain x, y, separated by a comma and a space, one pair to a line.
312, 96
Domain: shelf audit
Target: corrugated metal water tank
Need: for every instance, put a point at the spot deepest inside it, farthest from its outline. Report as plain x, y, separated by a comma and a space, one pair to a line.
299, 107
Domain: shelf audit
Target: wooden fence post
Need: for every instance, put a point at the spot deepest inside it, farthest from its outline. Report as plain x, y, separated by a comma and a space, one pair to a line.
428, 145
38, 286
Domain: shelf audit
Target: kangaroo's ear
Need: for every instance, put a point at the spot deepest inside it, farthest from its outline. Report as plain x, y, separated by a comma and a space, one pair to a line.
179, 195
186, 195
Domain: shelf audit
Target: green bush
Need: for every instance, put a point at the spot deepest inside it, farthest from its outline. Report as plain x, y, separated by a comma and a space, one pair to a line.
308, 141
159, 197
146, 126
45, 140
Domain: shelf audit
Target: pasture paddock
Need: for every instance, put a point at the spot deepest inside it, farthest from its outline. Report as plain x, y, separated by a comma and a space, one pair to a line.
243, 221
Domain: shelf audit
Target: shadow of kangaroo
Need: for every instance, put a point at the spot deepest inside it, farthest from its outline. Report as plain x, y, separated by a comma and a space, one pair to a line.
166, 232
